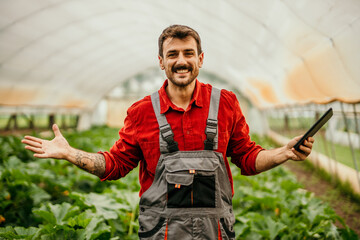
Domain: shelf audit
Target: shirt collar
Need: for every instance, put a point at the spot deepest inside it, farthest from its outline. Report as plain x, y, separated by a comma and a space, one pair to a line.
165, 102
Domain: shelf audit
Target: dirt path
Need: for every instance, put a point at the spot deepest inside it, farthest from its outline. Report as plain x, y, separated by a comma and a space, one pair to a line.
345, 207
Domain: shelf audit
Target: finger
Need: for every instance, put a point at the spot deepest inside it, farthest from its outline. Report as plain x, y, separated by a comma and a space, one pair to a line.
56, 130
34, 149
305, 149
31, 143
297, 138
299, 155
311, 139
35, 139
307, 143
43, 155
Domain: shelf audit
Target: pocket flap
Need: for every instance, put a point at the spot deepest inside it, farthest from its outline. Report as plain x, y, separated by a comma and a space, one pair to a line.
181, 164
182, 179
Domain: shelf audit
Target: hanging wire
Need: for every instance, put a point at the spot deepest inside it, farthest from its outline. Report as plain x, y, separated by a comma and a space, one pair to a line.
350, 144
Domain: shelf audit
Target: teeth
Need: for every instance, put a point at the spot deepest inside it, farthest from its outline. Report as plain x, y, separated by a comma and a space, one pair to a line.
182, 71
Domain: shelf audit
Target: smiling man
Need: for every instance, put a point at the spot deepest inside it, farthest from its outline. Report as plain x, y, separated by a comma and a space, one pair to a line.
180, 55
182, 137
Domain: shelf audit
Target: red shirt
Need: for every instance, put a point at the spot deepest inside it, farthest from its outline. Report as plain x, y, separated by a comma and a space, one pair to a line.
139, 138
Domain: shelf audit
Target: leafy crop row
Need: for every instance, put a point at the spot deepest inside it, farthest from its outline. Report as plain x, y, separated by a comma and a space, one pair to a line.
51, 199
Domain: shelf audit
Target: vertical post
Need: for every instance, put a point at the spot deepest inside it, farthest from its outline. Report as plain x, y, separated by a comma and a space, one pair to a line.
31, 122
13, 118
333, 154
322, 134
286, 122
51, 120
356, 123
77, 120
350, 144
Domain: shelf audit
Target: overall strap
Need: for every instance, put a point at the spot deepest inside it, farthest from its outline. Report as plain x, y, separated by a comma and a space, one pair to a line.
167, 143
211, 130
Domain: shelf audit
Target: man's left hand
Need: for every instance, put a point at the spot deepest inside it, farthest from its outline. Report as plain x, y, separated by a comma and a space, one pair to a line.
305, 147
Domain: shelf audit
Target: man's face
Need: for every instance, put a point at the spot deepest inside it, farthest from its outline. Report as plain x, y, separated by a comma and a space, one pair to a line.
181, 61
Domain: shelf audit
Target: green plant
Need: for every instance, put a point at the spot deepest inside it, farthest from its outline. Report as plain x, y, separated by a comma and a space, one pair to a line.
52, 199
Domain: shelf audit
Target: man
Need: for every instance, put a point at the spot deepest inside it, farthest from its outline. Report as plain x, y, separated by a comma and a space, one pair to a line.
181, 136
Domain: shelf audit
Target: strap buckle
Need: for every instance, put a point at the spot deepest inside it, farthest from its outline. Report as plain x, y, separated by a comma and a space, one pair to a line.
168, 136
211, 128
210, 131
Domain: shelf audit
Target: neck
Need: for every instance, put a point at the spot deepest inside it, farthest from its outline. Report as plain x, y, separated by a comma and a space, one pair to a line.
180, 96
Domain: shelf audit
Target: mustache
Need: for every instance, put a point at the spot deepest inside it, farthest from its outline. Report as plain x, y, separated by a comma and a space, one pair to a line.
181, 67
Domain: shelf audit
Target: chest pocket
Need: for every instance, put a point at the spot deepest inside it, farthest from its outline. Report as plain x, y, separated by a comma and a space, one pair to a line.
191, 183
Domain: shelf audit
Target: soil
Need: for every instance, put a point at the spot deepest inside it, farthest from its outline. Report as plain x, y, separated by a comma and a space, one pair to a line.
345, 206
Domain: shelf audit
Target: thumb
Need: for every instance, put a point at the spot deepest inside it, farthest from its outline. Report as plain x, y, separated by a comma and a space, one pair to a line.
56, 130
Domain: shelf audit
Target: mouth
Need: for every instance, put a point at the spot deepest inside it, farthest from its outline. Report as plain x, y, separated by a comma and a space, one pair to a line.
182, 71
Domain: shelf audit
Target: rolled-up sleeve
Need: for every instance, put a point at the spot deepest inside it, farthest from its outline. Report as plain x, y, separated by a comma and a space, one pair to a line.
124, 155
242, 150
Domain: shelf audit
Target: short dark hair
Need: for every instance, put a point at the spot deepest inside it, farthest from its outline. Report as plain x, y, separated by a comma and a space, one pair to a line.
181, 32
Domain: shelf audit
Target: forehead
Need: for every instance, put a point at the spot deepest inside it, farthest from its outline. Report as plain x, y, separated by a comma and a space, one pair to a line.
177, 44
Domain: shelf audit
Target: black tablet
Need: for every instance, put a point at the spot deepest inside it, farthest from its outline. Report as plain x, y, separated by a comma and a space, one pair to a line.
314, 128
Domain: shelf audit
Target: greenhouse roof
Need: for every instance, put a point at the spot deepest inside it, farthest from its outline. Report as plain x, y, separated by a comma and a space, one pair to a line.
71, 53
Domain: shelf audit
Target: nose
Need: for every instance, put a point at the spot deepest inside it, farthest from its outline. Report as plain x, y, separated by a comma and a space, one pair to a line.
181, 59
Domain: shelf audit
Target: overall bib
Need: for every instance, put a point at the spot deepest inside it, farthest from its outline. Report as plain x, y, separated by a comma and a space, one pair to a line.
191, 196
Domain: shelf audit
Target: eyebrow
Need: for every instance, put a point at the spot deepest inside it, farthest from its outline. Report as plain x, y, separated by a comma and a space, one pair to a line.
186, 50
172, 51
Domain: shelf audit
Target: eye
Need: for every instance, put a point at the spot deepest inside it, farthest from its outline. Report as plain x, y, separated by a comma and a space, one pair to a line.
171, 54
189, 53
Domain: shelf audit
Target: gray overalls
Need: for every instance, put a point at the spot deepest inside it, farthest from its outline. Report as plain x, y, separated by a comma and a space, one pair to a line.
191, 196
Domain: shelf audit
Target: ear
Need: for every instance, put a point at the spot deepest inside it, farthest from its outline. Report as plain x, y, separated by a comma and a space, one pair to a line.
161, 63
201, 59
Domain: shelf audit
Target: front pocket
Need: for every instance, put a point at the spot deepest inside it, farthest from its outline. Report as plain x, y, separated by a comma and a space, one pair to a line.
180, 190
204, 191
190, 190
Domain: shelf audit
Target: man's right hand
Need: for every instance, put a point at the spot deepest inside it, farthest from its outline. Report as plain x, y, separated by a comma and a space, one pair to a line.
59, 148
56, 148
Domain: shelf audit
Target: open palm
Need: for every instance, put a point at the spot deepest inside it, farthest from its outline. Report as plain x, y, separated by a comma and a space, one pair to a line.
56, 148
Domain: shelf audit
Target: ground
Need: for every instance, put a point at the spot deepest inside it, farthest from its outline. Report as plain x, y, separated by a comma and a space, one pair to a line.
345, 206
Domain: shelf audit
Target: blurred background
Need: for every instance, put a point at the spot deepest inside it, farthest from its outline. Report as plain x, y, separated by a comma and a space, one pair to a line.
82, 63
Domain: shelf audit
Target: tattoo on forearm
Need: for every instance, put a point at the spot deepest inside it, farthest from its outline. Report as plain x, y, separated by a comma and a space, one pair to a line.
91, 162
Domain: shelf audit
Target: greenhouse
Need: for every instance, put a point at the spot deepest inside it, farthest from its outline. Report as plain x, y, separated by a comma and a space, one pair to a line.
83, 71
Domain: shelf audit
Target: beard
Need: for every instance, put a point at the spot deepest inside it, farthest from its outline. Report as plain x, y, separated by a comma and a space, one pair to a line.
179, 81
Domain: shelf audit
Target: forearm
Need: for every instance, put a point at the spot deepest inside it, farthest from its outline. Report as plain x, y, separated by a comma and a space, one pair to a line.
93, 163
268, 159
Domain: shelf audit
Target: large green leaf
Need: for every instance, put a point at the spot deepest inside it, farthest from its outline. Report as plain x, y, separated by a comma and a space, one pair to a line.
56, 214
94, 229
105, 206
19, 233
38, 194
82, 219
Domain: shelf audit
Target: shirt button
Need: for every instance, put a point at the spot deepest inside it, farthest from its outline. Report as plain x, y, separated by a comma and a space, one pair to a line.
141, 228
142, 209
187, 132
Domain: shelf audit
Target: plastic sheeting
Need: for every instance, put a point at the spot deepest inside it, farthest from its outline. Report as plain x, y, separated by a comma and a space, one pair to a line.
71, 53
